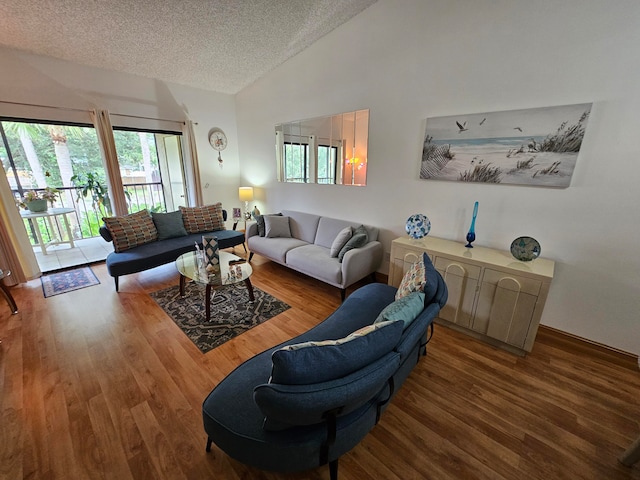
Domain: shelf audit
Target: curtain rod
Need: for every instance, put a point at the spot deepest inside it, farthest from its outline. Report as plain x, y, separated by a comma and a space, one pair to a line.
86, 111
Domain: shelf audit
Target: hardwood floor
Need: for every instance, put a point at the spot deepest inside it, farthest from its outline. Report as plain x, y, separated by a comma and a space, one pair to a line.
99, 384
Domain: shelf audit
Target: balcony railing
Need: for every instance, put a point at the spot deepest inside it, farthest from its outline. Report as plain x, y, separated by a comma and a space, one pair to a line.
88, 214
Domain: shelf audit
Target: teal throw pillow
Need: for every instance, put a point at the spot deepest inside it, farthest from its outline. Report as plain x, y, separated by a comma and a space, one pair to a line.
359, 239
406, 309
169, 225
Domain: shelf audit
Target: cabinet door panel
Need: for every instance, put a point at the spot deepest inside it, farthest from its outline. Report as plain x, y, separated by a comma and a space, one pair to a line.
504, 311
462, 291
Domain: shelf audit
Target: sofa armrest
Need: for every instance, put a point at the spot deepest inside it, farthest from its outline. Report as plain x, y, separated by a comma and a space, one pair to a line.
360, 262
252, 230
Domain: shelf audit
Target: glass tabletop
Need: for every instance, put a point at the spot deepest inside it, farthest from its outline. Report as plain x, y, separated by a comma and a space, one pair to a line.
190, 266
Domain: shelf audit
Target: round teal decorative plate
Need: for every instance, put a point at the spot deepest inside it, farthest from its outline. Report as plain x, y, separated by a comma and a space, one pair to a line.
418, 226
525, 249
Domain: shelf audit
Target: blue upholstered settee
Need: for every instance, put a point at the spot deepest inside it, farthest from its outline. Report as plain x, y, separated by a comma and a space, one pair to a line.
291, 410
159, 252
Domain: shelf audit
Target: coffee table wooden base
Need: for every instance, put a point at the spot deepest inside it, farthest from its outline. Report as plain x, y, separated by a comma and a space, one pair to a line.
207, 294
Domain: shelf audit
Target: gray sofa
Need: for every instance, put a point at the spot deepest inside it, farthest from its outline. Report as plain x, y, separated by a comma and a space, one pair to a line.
307, 251
330, 396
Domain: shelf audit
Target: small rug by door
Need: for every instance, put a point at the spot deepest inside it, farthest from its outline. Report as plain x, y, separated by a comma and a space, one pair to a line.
232, 313
68, 280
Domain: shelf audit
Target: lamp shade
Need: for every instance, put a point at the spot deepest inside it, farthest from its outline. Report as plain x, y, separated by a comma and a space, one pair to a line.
245, 194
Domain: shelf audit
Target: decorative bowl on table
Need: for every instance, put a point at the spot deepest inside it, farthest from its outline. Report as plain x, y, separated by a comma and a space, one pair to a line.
418, 226
525, 249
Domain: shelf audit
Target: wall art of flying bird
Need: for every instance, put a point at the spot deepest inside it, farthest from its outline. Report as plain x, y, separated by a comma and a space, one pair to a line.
462, 127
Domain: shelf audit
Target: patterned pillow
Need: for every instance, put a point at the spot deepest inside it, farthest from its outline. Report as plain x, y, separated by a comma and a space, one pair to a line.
413, 281
203, 219
131, 230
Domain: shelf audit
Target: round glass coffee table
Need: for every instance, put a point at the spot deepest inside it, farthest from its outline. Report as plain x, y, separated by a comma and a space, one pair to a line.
233, 269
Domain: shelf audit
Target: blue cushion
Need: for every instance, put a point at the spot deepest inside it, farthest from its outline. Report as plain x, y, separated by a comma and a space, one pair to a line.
431, 287
405, 309
287, 405
314, 362
169, 225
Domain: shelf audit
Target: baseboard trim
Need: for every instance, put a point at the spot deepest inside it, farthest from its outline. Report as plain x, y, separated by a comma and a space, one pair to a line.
616, 355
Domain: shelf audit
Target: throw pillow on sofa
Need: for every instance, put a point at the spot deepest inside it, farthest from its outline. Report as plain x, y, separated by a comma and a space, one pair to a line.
420, 277
406, 309
129, 231
276, 227
169, 225
341, 239
314, 362
359, 239
260, 222
202, 219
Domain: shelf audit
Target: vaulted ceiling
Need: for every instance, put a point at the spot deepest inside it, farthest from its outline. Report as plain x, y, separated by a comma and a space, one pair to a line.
219, 45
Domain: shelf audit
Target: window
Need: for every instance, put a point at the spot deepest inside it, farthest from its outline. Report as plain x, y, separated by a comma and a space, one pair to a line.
66, 157
296, 162
327, 164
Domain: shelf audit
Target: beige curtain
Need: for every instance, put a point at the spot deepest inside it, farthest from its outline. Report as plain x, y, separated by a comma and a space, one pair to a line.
16, 253
102, 123
191, 165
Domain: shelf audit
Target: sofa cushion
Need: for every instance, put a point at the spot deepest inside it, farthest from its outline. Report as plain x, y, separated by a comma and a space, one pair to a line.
314, 260
405, 309
169, 225
360, 239
286, 406
303, 225
202, 219
314, 362
276, 227
275, 250
341, 239
129, 231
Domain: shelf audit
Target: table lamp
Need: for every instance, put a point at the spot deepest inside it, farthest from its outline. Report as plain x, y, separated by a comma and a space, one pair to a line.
246, 195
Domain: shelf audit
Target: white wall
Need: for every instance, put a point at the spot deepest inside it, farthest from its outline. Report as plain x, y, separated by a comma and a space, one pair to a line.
41, 80
413, 59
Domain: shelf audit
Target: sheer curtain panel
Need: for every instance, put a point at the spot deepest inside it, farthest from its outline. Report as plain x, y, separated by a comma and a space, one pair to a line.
191, 165
16, 253
102, 124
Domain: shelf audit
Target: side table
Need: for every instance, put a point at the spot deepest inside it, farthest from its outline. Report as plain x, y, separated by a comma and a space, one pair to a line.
50, 214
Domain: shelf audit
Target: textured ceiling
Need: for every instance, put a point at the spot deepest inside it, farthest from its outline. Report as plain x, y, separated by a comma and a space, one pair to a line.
220, 45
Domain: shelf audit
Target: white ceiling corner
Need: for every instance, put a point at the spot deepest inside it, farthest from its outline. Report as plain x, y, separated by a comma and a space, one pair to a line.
219, 45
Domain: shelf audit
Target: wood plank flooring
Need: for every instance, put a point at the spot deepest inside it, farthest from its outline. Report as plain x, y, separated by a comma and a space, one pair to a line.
96, 384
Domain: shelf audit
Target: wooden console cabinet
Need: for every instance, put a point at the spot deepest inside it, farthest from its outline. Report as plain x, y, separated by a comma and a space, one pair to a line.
492, 296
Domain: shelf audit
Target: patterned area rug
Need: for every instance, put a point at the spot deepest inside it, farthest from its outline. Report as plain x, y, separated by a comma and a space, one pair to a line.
231, 312
67, 281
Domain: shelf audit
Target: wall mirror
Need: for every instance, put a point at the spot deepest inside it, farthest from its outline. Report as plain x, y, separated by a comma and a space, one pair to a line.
325, 150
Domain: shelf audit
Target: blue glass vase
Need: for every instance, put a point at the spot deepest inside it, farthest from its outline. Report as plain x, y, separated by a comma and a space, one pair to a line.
471, 236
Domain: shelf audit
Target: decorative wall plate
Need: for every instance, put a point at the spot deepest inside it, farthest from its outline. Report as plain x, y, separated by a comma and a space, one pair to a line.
525, 249
418, 226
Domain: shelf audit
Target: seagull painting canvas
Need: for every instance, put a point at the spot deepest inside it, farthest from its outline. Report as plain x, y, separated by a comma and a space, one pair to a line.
535, 146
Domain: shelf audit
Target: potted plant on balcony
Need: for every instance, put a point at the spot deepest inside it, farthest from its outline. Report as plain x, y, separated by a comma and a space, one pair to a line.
37, 202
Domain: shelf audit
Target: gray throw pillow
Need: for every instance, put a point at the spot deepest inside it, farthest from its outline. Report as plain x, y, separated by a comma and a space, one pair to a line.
358, 240
169, 225
275, 226
260, 222
341, 239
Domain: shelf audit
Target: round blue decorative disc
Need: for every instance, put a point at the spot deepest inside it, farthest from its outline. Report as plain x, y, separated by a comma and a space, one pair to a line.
418, 226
